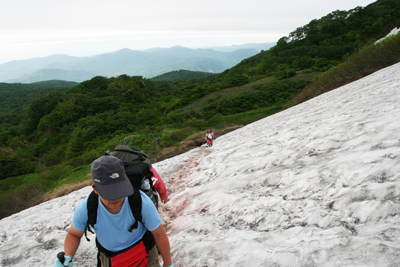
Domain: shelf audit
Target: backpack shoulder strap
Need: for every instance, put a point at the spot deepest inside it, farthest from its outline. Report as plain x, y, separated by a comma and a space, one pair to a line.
92, 205
135, 202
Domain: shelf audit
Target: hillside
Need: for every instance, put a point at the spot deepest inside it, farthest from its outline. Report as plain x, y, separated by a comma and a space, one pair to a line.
314, 185
15, 98
324, 43
61, 133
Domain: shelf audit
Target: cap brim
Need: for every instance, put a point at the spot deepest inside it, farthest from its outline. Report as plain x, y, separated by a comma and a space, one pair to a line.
115, 191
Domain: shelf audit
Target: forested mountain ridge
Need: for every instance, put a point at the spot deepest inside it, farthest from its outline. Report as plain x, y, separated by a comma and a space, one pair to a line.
15, 98
62, 133
181, 75
325, 42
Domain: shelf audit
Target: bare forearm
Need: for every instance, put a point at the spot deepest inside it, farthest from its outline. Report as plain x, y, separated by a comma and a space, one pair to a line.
165, 250
162, 242
72, 241
71, 244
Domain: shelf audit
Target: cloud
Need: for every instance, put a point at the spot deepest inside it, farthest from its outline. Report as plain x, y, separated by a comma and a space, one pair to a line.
42, 27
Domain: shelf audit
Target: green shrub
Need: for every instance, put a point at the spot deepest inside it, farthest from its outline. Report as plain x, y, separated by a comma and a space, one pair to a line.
14, 166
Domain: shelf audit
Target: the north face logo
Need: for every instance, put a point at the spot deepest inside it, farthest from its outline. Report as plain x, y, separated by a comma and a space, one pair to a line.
114, 175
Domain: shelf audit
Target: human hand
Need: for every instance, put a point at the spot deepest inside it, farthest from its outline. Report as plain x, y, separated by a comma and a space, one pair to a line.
67, 261
164, 200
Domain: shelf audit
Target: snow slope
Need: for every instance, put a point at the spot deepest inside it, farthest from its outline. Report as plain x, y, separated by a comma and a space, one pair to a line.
315, 185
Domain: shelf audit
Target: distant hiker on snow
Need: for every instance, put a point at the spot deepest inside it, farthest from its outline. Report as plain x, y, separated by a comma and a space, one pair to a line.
209, 137
126, 222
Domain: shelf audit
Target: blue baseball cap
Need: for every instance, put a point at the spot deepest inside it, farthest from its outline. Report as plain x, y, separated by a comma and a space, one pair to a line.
109, 177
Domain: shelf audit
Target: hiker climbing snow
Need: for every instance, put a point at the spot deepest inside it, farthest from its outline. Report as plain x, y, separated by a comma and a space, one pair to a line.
128, 227
209, 137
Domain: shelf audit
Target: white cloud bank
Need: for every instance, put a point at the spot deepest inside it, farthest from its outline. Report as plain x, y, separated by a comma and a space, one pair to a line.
315, 185
83, 28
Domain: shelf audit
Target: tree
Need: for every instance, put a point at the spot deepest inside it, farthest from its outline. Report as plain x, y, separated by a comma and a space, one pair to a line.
43, 106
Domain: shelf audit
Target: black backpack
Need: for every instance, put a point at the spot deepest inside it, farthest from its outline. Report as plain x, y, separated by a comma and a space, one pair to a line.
137, 166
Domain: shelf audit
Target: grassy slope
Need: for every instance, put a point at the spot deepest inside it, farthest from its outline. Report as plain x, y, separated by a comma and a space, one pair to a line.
246, 89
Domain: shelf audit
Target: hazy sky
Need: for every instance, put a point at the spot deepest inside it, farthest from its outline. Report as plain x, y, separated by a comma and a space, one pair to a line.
87, 27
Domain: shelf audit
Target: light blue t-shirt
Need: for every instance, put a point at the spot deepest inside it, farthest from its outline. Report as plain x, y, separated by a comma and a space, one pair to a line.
112, 229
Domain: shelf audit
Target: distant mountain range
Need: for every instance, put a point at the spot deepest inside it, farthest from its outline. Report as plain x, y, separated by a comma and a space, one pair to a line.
148, 63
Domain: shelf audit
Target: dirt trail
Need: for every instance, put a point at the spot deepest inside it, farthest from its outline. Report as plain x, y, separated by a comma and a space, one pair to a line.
177, 182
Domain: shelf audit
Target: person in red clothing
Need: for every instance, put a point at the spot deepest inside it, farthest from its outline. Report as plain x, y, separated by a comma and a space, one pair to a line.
209, 137
159, 186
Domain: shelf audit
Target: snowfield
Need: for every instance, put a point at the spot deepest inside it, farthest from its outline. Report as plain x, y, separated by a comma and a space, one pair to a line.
315, 185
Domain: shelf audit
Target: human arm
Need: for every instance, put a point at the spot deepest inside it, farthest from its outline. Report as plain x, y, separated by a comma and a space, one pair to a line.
71, 244
72, 241
159, 186
162, 242
152, 221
